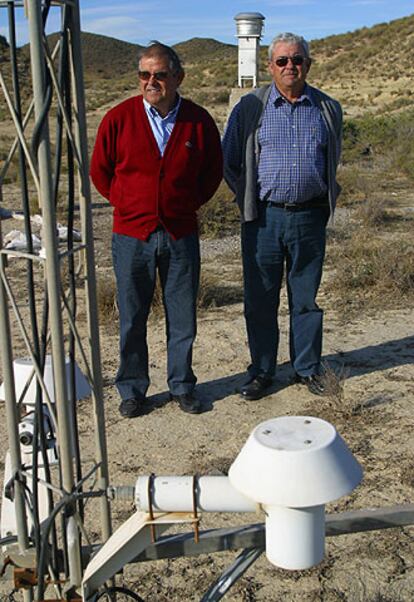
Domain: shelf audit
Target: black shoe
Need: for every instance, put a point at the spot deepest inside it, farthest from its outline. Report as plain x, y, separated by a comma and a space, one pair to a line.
314, 382
256, 388
130, 408
187, 402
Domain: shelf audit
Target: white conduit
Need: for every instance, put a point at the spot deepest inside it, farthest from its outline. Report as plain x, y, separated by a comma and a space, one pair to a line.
175, 494
295, 537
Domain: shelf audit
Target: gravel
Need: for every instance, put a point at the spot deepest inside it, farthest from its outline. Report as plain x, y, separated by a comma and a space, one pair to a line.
212, 248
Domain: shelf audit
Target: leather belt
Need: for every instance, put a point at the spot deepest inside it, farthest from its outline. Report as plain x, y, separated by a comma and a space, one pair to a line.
299, 206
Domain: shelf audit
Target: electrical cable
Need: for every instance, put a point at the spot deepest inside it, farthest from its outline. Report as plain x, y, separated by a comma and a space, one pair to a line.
109, 594
67, 500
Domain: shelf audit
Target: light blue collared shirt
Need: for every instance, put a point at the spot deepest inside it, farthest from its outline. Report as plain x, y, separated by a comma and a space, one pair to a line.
162, 126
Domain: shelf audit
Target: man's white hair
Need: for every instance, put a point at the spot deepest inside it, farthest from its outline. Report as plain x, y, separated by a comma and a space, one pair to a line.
288, 38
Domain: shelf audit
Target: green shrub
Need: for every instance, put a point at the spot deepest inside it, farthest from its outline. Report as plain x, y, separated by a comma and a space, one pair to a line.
383, 135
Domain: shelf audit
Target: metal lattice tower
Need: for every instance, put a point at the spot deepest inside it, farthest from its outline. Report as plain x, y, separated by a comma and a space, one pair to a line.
39, 312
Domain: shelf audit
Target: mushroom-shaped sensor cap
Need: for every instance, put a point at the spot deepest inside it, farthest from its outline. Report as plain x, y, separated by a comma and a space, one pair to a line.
295, 461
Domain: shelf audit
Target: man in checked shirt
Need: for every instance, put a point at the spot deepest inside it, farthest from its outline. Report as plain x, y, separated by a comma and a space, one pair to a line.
281, 149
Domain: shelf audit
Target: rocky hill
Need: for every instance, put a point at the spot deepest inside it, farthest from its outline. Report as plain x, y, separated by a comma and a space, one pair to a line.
368, 70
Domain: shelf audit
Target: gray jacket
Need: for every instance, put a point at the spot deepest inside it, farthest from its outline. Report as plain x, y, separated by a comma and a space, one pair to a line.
240, 169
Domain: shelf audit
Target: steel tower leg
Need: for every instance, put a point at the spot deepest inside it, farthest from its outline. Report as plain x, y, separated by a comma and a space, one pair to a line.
53, 279
55, 547
11, 411
90, 281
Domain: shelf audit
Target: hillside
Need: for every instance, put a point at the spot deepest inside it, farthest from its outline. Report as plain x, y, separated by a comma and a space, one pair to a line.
103, 56
369, 70
198, 50
357, 67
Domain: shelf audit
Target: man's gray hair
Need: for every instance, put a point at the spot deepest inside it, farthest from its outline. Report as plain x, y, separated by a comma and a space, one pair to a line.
288, 38
157, 49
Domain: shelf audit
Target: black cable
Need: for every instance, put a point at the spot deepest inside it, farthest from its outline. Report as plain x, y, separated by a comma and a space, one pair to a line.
111, 592
45, 11
67, 501
38, 126
5, 541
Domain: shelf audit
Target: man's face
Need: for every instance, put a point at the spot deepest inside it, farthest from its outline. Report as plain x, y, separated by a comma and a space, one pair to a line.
289, 78
158, 84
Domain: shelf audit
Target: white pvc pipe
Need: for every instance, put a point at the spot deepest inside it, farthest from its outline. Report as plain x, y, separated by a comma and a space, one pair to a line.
175, 494
295, 537
72, 538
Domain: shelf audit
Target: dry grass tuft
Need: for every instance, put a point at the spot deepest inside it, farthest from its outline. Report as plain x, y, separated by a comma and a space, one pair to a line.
334, 383
213, 292
372, 273
357, 186
220, 216
107, 303
335, 406
407, 474
370, 214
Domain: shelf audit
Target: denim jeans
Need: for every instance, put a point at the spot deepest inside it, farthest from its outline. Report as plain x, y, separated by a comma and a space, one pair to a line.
280, 238
136, 263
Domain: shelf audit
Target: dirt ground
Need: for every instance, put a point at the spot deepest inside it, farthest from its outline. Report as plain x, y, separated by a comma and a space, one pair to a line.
374, 416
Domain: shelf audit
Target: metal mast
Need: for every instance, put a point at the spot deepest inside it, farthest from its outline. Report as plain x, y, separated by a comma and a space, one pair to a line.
39, 312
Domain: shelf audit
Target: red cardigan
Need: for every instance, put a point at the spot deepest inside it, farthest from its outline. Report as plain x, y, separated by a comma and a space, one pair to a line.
145, 188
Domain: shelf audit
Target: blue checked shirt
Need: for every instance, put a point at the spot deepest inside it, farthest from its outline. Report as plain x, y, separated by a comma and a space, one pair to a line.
293, 140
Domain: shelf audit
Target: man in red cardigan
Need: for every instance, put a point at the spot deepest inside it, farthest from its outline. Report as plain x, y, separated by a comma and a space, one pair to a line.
157, 159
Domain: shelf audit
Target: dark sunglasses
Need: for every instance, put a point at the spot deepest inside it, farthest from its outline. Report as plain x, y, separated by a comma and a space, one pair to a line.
160, 76
282, 61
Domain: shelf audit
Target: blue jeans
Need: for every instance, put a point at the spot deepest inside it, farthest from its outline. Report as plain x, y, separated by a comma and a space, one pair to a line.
136, 263
280, 238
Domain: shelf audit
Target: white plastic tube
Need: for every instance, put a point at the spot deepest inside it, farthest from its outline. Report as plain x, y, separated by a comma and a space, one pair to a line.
295, 537
175, 494
72, 535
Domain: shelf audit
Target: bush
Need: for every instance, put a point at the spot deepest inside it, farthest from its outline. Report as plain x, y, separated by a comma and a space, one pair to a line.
372, 274
107, 300
382, 135
212, 293
220, 216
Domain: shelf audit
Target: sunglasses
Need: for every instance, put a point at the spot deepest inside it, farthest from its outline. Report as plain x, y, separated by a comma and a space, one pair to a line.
282, 61
160, 76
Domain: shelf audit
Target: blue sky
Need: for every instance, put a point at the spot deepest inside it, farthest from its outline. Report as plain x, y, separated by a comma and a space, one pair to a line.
172, 21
